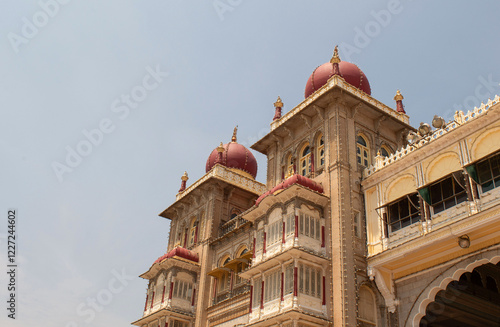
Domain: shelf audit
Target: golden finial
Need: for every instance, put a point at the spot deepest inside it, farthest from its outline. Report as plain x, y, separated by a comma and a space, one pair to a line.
398, 96
220, 148
185, 177
278, 103
335, 59
233, 139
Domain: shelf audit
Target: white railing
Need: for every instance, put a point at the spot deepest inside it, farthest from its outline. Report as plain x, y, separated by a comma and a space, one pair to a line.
459, 119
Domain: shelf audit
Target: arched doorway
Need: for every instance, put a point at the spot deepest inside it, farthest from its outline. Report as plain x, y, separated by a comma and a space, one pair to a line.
473, 300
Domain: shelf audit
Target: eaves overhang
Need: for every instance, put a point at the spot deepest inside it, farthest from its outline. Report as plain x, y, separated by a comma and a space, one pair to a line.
286, 316
217, 173
333, 83
282, 196
175, 261
162, 313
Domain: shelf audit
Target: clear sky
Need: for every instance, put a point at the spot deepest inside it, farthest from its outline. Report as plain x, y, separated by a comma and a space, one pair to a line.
104, 105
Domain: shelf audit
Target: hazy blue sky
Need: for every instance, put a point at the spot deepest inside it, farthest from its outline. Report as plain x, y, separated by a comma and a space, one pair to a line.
70, 69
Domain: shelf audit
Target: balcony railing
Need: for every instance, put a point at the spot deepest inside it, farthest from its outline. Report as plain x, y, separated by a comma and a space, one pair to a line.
239, 289
231, 225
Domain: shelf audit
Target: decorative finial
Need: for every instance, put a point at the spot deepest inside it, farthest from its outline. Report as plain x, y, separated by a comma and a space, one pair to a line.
184, 179
399, 102
220, 148
277, 105
335, 59
398, 96
233, 139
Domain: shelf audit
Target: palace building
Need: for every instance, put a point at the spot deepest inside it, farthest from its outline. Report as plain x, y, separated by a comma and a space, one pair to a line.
363, 220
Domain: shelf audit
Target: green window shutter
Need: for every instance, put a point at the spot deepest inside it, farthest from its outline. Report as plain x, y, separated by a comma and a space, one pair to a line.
471, 170
425, 194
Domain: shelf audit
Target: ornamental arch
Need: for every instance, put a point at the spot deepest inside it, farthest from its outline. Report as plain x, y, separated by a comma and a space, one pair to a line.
441, 166
402, 185
441, 282
485, 144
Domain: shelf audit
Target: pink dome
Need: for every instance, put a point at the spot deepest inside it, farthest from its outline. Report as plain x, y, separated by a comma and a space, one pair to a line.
350, 72
179, 252
236, 156
295, 179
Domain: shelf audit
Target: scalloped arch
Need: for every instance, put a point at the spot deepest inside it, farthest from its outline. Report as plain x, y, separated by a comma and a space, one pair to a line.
401, 186
441, 166
485, 144
438, 284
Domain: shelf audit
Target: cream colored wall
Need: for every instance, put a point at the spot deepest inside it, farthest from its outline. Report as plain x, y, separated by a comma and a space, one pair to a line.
374, 234
400, 185
435, 160
441, 165
485, 142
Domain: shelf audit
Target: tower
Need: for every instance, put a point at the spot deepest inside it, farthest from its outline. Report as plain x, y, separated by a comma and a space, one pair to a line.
354, 199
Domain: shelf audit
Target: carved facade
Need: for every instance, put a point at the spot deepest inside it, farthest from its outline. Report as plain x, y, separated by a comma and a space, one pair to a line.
361, 221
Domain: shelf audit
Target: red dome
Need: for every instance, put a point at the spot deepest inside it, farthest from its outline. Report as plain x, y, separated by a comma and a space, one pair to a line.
295, 179
179, 252
236, 156
350, 72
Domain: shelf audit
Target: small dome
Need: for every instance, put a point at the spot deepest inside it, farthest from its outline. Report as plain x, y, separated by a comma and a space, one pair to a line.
179, 252
235, 156
350, 72
292, 180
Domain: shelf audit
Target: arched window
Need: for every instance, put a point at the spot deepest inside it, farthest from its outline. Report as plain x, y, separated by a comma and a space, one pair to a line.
234, 213
193, 231
367, 308
320, 148
362, 151
240, 266
289, 166
224, 280
385, 151
305, 160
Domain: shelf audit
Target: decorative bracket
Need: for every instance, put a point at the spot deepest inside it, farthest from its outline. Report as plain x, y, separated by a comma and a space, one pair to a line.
307, 120
385, 285
278, 139
355, 109
320, 111
289, 131
378, 122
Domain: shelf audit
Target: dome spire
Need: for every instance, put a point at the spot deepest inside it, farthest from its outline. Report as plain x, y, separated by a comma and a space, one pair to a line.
233, 139
335, 61
277, 105
220, 150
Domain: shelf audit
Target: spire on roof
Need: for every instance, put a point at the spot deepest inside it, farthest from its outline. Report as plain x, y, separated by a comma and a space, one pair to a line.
277, 105
184, 179
233, 139
335, 59
399, 102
